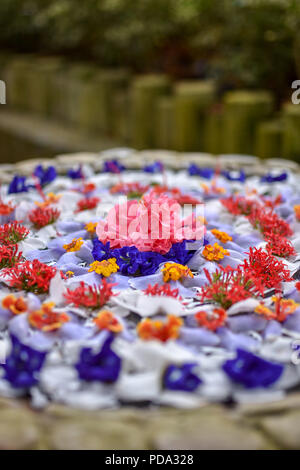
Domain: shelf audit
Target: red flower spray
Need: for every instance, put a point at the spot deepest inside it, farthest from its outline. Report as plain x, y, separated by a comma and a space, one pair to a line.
90, 296
32, 276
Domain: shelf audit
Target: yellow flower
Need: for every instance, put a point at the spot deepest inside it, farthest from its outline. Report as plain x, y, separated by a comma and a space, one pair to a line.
53, 197
75, 245
69, 274
222, 236
214, 252
217, 189
91, 227
50, 199
213, 188
175, 272
297, 211
205, 187
263, 310
251, 192
105, 267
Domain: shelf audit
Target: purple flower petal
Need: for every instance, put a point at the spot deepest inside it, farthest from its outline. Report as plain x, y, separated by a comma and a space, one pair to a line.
198, 337
233, 341
241, 323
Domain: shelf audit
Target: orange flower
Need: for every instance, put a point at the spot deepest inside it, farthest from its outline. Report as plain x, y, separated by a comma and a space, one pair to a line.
282, 308
50, 199
88, 188
213, 320
250, 192
214, 252
175, 272
91, 227
297, 211
46, 319
106, 320
16, 305
6, 209
265, 311
213, 189
222, 236
156, 329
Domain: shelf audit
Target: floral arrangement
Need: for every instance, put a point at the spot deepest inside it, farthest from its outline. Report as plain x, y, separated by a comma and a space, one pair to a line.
149, 285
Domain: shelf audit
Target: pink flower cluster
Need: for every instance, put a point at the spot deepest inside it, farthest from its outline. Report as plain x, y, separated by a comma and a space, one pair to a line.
152, 224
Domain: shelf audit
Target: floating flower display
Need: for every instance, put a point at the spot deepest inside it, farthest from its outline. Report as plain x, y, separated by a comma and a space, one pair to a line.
150, 285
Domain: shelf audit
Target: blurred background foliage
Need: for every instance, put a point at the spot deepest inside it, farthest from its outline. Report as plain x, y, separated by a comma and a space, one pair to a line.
242, 43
